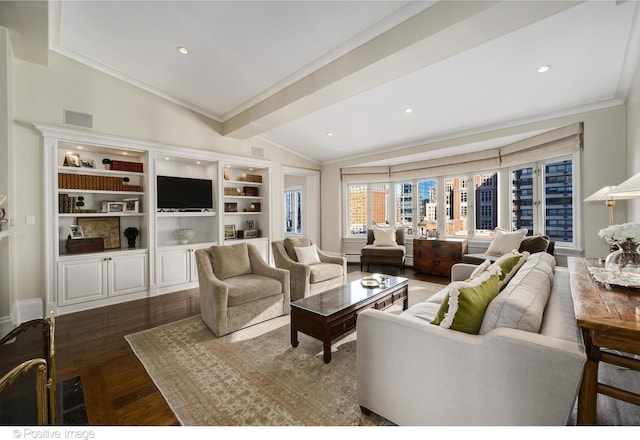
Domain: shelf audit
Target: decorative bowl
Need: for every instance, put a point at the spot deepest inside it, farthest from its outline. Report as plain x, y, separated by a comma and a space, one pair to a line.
184, 235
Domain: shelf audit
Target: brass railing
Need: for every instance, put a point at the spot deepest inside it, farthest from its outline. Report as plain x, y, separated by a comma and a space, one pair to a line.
45, 368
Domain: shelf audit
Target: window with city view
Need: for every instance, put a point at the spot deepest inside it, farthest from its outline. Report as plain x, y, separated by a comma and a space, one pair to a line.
293, 211
427, 203
368, 204
404, 206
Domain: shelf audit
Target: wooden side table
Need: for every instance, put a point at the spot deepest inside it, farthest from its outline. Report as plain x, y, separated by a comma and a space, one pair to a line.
608, 319
436, 257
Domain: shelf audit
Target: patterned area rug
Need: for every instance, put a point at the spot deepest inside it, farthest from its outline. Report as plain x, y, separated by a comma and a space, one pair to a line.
254, 377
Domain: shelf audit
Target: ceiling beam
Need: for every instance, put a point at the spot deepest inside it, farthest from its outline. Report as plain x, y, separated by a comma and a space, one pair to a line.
438, 32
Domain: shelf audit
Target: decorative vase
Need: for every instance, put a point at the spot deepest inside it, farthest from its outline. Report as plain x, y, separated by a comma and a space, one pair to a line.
625, 260
184, 235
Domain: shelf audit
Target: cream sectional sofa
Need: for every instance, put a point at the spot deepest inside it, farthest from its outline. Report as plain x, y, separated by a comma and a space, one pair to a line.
524, 368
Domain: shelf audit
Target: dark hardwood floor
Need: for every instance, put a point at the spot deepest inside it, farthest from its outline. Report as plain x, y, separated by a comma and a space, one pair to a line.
117, 389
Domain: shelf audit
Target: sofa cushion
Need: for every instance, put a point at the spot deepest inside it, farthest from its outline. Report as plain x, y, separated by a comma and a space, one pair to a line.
290, 243
323, 272
505, 241
464, 306
424, 311
230, 261
384, 236
384, 253
521, 303
307, 254
247, 288
509, 265
534, 244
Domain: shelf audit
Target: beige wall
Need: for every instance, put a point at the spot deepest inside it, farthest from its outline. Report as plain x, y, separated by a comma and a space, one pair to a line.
42, 95
633, 141
603, 162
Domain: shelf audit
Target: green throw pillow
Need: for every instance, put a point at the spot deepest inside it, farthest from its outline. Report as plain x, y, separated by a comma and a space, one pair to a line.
463, 308
509, 265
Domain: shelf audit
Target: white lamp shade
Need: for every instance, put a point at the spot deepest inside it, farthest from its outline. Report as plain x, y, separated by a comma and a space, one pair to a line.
628, 189
601, 195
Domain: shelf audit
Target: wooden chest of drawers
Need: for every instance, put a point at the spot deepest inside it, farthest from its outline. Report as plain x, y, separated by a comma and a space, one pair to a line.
436, 257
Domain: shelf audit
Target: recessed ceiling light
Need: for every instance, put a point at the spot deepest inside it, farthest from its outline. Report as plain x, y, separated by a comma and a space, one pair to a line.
183, 50
198, 162
329, 134
543, 68
79, 147
408, 110
166, 158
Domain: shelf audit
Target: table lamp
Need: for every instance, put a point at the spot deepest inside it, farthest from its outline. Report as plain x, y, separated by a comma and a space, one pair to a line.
604, 195
628, 189
422, 226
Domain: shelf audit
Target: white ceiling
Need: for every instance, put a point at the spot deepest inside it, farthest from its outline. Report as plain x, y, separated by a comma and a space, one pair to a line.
293, 71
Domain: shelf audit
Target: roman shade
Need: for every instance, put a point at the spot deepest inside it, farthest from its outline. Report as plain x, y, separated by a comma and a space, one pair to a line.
554, 143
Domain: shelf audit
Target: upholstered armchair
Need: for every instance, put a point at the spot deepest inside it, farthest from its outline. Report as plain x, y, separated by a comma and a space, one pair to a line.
238, 288
324, 273
387, 251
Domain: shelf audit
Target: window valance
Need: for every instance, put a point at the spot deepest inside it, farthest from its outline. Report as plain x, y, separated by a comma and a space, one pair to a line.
561, 141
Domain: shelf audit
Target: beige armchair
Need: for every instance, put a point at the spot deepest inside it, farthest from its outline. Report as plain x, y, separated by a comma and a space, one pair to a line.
238, 288
308, 279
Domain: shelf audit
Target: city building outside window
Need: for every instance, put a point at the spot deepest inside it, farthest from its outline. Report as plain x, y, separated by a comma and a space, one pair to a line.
293, 211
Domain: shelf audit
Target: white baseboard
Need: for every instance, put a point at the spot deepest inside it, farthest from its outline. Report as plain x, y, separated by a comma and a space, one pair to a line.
6, 325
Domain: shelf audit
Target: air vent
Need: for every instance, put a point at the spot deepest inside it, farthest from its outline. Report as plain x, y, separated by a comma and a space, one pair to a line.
257, 151
79, 119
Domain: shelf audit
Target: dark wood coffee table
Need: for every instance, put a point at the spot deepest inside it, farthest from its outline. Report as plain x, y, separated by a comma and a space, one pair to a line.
333, 313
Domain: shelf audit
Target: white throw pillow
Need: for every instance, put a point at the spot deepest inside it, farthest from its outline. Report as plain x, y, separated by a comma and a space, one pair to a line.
505, 241
384, 236
481, 268
307, 254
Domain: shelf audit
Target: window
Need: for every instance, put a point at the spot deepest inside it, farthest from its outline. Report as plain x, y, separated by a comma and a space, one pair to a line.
553, 215
486, 200
427, 203
404, 206
368, 205
456, 206
293, 211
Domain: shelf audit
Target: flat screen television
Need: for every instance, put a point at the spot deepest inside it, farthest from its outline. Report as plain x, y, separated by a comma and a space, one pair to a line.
184, 193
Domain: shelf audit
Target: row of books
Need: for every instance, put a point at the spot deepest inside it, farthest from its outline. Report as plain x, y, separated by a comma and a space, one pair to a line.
120, 165
97, 183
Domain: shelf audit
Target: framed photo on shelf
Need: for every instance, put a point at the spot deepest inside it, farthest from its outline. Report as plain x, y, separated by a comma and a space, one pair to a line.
131, 205
229, 232
76, 231
87, 163
115, 207
72, 160
105, 227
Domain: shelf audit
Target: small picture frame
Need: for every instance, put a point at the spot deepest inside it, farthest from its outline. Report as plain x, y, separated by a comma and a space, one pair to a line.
229, 232
87, 163
75, 232
251, 224
72, 160
131, 206
115, 207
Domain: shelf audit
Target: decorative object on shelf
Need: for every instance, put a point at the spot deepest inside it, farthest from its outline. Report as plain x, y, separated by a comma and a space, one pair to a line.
233, 192
131, 205
131, 234
248, 233
85, 245
226, 175
107, 163
105, 227
254, 207
230, 207
250, 191
184, 235
251, 224
87, 163
80, 203
229, 232
72, 160
3, 213
76, 232
254, 178
626, 259
115, 206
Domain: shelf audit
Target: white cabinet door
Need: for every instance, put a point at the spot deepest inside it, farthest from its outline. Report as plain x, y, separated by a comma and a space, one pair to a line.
82, 280
127, 274
173, 267
263, 248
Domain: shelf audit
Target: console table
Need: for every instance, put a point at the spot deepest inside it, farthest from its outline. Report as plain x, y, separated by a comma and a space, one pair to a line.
436, 257
608, 317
